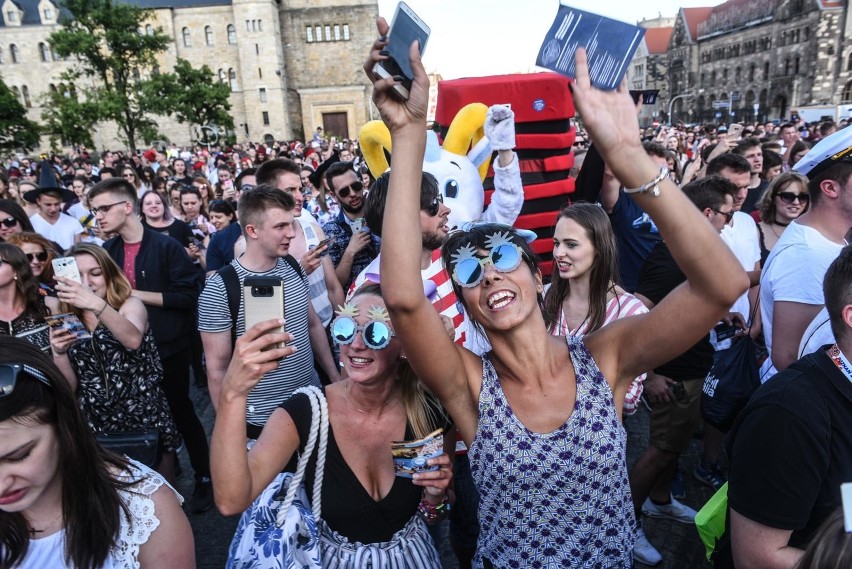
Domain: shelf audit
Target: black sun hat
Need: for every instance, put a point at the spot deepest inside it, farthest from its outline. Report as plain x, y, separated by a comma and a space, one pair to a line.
47, 184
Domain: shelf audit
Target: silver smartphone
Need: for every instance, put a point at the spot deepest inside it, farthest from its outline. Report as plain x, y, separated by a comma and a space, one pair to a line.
405, 28
263, 299
66, 267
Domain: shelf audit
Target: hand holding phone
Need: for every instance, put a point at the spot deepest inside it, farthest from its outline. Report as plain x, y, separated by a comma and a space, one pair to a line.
66, 267
263, 298
406, 27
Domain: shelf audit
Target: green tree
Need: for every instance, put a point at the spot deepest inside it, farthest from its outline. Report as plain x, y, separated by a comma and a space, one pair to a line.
16, 130
67, 120
192, 95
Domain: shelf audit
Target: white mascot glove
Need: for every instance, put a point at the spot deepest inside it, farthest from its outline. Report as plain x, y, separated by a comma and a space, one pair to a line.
500, 127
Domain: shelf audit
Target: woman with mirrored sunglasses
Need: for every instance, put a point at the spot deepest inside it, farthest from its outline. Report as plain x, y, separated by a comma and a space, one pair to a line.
540, 414
40, 253
64, 501
366, 508
784, 200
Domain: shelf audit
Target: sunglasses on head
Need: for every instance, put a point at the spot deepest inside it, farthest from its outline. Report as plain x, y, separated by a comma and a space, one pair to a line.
9, 222
790, 197
355, 186
375, 333
433, 208
42, 257
9, 377
470, 268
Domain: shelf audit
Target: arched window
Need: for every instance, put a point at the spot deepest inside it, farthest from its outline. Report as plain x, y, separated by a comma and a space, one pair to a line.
44, 51
17, 93
847, 93
149, 30
13, 51
208, 35
849, 62
26, 93
232, 77
187, 40
1, 55
232, 34
222, 77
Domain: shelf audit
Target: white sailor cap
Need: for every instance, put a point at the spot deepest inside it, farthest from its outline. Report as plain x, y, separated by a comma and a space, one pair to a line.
826, 153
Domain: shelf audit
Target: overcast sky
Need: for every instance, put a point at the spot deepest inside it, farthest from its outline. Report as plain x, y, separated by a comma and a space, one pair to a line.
491, 37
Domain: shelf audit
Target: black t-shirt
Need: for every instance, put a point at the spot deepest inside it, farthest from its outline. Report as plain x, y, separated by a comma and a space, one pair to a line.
753, 197
792, 448
347, 508
178, 230
659, 276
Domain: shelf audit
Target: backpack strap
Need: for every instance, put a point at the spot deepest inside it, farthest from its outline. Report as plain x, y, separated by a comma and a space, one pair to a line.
232, 291
294, 264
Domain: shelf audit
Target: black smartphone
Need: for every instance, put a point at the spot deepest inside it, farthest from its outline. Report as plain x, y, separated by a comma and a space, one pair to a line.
724, 331
405, 28
648, 96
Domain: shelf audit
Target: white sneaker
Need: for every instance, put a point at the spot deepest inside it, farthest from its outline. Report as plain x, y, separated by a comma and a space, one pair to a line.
673, 511
643, 551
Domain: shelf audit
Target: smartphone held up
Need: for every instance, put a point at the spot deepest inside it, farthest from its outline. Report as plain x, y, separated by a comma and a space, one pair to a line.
404, 30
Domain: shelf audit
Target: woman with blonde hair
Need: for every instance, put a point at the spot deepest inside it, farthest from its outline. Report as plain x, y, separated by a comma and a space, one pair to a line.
129, 173
367, 509
116, 373
785, 199
40, 253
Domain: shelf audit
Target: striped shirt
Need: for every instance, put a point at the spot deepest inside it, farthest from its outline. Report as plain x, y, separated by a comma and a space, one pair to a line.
316, 280
294, 371
619, 306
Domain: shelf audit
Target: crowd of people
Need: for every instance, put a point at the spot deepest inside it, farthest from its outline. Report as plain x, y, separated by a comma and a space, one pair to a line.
674, 236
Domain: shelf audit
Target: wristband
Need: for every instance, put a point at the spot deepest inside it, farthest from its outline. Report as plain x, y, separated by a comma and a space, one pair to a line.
101, 311
433, 512
653, 185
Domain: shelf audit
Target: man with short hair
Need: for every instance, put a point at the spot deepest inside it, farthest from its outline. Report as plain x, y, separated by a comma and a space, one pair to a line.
266, 216
788, 135
353, 246
51, 223
736, 170
163, 277
791, 293
674, 388
750, 149
791, 447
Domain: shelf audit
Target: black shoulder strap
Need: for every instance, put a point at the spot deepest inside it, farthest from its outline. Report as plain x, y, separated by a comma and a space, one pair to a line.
294, 264
232, 291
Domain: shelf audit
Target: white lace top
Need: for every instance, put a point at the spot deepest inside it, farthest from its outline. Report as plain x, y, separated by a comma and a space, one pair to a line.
134, 532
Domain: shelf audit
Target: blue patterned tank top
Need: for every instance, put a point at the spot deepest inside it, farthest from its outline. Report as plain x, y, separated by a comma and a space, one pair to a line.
558, 499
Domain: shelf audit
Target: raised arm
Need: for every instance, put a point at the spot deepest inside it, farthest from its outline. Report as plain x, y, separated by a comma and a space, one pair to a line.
415, 321
715, 279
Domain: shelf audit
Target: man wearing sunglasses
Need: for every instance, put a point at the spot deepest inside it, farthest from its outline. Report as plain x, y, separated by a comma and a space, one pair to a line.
353, 246
791, 293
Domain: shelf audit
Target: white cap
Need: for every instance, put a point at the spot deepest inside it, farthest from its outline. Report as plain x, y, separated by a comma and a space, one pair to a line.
826, 153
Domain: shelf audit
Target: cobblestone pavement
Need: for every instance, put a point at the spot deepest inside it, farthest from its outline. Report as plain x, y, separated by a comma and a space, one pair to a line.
678, 543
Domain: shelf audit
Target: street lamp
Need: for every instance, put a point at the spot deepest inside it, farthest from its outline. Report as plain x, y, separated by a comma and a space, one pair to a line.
671, 104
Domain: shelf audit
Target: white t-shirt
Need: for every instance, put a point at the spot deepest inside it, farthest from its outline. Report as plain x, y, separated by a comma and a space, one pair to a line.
793, 273
817, 334
63, 231
742, 239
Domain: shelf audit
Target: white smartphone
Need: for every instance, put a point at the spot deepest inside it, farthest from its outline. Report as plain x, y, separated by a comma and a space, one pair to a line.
405, 28
263, 299
66, 267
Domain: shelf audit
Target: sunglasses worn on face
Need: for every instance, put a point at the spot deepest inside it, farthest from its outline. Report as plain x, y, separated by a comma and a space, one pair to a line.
433, 208
505, 258
9, 377
9, 222
42, 257
375, 333
790, 197
354, 187
729, 215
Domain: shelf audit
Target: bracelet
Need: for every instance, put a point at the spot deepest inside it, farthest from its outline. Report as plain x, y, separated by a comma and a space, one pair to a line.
101, 311
653, 185
433, 512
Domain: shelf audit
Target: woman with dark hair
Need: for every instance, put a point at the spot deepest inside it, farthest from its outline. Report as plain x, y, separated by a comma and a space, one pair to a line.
772, 165
583, 296
539, 413
4, 187
147, 180
40, 252
117, 372
205, 189
22, 308
785, 199
66, 502
222, 214
129, 173
800, 148
13, 219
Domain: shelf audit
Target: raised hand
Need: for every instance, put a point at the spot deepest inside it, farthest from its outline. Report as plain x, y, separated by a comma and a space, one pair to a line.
256, 354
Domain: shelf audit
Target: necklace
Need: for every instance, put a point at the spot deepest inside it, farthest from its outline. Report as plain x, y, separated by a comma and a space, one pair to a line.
48, 525
352, 402
775, 231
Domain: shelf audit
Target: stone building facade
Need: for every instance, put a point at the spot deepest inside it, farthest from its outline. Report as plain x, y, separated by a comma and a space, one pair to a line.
649, 67
292, 65
758, 59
